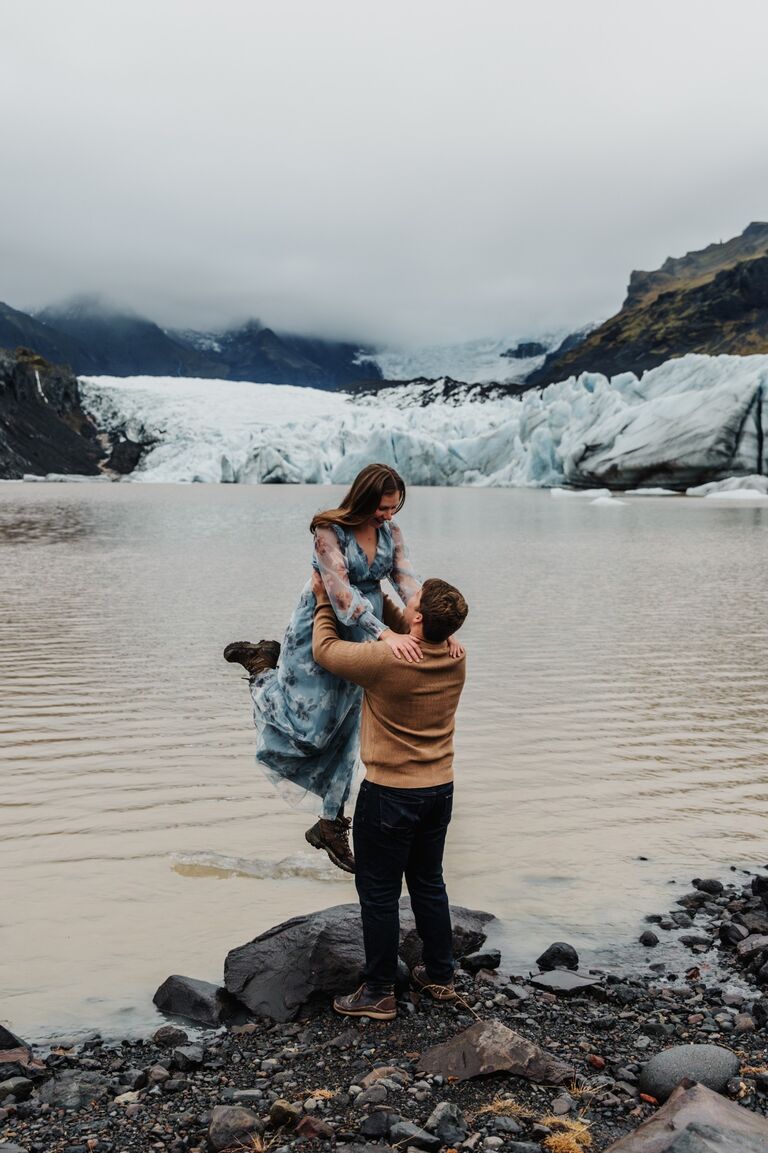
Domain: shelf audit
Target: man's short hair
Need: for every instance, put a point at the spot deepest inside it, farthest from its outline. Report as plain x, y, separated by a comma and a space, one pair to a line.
443, 610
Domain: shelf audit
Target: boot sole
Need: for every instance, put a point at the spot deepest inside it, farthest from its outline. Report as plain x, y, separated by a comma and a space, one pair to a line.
231, 652
237, 652
318, 843
374, 1014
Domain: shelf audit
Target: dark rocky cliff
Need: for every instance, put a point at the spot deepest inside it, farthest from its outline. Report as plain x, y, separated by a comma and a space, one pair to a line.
711, 301
43, 427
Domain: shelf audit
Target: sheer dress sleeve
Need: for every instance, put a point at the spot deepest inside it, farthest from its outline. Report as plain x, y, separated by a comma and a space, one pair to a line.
349, 604
403, 575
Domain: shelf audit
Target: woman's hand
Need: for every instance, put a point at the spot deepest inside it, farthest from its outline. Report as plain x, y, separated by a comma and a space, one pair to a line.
318, 588
455, 650
402, 646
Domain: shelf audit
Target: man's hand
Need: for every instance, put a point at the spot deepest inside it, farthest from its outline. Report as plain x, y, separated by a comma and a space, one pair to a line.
318, 588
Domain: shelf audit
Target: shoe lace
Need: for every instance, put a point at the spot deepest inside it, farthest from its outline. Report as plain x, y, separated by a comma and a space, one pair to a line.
341, 827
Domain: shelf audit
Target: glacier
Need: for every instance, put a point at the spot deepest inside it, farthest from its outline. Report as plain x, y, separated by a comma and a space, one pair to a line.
473, 361
691, 421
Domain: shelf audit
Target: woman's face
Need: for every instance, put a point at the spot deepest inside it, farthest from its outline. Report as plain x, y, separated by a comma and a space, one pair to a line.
387, 508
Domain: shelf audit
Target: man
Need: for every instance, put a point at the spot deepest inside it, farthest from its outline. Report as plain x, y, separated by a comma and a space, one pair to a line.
404, 805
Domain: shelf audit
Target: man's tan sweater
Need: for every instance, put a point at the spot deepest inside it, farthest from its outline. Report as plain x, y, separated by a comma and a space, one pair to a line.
406, 740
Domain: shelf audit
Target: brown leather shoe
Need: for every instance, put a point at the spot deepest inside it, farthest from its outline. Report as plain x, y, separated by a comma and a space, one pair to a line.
333, 838
255, 659
364, 1003
421, 981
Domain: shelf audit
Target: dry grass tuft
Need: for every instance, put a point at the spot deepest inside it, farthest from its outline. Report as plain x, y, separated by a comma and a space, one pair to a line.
579, 1088
506, 1107
255, 1145
751, 1070
566, 1143
575, 1138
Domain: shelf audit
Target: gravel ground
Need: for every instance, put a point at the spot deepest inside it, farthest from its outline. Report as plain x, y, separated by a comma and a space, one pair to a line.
104, 1096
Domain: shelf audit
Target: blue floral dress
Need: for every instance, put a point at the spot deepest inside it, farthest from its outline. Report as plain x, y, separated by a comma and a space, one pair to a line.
308, 721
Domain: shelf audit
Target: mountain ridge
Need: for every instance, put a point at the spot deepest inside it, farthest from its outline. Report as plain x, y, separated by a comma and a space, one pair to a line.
713, 300
95, 339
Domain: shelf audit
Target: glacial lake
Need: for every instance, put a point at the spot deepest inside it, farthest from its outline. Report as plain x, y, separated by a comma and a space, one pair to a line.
611, 741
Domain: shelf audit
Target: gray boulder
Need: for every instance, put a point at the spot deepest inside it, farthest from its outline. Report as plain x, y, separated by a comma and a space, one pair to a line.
15, 1089
168, 1037
406, 1133
490, 1047
188, 1057
560, 955
16, 1057
448, 1123
696, 1120
199, 1001
378, 1123
231, 1126
364, 1147
710, 1065
307, 959
9, 1040
73, 1089
483, 959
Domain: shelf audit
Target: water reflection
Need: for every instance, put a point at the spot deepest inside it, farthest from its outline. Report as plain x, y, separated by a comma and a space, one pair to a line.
41, 524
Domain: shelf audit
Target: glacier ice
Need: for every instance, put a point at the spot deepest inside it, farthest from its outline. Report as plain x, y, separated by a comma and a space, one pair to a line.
737, 494
579, 492
757, 485
651, 492
473, 361
693, 420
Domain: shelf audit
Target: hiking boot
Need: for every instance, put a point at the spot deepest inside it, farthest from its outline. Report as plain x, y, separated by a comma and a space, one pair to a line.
364, 1003
255, 659
333, 837
422, 982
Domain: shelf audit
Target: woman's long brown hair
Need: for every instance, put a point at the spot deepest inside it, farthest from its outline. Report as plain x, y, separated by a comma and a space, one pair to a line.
364, 497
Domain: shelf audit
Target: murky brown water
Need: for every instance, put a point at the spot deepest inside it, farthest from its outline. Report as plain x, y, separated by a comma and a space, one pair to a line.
616, 707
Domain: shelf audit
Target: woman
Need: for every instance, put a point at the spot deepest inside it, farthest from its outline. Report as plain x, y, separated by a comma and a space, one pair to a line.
307, 719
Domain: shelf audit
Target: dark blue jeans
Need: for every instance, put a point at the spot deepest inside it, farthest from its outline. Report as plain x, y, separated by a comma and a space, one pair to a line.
401, 833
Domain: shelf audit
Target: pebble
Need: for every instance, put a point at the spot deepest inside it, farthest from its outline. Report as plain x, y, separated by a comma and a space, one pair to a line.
283, 1113
403, 1132
376, 1095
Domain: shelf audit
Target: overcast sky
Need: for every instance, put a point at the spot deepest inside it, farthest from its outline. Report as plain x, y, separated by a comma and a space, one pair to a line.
405, 170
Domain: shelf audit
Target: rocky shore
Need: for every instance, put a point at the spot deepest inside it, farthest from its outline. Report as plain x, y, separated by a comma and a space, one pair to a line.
560, 1060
